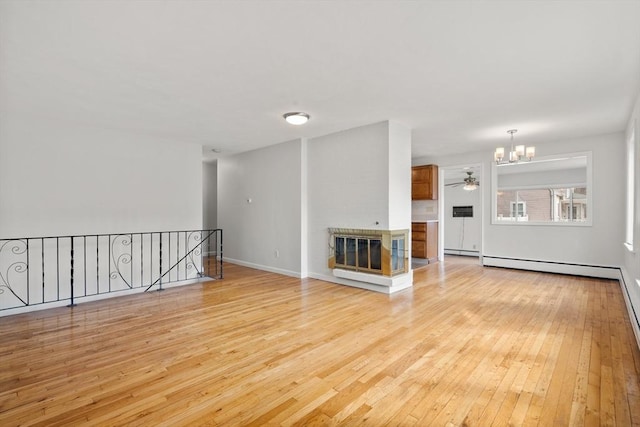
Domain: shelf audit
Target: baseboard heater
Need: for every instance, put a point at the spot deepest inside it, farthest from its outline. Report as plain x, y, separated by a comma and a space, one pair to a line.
605, 272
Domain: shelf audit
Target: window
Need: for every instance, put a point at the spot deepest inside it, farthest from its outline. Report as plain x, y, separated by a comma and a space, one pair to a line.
628, 241
543, 205
571, 204
518, 209
551, 190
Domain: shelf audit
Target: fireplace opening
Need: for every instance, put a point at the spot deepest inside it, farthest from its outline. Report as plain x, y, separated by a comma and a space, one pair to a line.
370, 251
361, 253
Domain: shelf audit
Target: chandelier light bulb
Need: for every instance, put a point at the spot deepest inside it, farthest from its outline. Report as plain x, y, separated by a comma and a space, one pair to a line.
531, 152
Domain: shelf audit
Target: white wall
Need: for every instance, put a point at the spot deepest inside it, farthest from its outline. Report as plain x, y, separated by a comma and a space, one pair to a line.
399, 176
461, 233
210, 195
60, 179
599, 244
631, 259
358, 178
260, 207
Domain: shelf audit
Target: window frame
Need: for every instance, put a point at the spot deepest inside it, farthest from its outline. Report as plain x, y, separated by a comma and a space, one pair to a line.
631, 223
514, 212
495, 220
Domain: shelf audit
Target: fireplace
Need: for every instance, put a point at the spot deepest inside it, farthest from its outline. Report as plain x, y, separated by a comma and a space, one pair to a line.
382, 252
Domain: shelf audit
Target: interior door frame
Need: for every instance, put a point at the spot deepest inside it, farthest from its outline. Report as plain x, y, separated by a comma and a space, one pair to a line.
483, 189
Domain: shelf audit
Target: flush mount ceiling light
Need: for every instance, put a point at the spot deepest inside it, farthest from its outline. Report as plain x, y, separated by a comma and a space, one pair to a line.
516, 154
296, 118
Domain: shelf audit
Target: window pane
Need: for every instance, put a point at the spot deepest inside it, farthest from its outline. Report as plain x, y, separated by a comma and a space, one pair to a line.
542, 204
551, 189
630, 189
340, 250
400, 258
363, 253
375, 246
351, 252
394, 254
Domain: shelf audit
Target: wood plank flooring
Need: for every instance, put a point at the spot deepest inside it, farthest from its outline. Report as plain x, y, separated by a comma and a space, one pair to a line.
467, 346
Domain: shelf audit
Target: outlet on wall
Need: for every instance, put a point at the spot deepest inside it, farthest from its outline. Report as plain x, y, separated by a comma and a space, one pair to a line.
276, 253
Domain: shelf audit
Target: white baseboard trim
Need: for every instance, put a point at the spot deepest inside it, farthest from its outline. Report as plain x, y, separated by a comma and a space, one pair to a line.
605, 272
634, 315
384, 289
268, 268
462, 252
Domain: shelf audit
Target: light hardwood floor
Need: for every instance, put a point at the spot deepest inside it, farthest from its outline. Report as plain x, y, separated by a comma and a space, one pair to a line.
466, 346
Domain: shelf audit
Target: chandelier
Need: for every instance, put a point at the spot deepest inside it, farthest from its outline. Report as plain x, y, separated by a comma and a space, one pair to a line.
516, 153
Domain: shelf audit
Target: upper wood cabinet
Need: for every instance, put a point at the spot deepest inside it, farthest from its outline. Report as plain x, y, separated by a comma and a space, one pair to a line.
424, 182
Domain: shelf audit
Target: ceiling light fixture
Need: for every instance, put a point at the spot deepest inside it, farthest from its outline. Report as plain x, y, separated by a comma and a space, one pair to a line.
296, 118
470, 182
516, 154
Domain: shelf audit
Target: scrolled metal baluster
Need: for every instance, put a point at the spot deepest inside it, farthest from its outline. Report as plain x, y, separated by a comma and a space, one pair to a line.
13, 248
197, 237
124, 258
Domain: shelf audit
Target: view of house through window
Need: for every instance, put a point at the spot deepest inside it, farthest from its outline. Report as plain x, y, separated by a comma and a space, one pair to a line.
542, 204
549, 190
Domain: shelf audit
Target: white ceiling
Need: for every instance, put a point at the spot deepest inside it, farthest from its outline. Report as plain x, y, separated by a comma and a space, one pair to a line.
222, 73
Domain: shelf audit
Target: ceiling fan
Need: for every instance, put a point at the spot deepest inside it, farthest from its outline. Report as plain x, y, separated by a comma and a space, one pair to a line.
470, 182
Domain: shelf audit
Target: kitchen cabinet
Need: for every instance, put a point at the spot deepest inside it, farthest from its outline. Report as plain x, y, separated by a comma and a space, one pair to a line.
424, 240
424, 182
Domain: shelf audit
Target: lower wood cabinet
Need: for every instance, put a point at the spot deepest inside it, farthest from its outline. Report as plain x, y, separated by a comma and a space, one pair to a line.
424, 240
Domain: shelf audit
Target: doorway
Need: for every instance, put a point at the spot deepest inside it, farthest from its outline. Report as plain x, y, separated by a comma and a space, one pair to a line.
462, 188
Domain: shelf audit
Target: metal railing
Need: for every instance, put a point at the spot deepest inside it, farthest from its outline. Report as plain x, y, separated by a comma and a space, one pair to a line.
41, 270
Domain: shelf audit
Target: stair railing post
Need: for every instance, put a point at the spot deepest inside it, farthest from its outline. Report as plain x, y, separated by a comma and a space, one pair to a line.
160, 284
72, 294
203, 256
